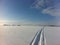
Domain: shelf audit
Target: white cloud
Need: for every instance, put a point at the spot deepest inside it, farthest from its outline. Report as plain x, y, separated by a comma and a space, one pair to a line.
48, 7
38, 4
54, 11
50, 11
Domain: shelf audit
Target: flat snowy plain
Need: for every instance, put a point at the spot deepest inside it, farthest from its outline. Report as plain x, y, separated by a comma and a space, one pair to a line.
22, 35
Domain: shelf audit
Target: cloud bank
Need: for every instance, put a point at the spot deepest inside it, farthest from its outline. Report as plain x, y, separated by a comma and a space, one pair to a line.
50, 7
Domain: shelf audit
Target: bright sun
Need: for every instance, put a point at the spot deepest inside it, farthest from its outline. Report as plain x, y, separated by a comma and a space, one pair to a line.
2, 22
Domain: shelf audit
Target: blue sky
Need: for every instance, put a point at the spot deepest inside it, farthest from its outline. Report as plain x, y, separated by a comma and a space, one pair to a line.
34, 11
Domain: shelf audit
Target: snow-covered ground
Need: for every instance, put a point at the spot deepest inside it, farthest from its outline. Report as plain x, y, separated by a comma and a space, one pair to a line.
22, 35
17, 35
52, 35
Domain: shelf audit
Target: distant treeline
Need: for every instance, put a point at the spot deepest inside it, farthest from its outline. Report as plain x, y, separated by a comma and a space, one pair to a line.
11, 25
30, 25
